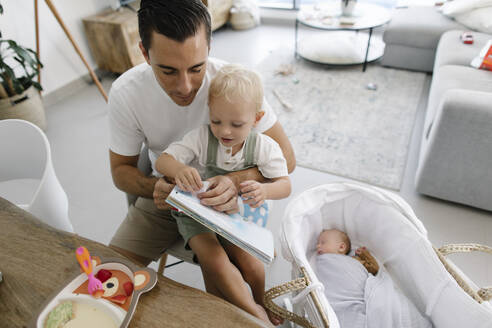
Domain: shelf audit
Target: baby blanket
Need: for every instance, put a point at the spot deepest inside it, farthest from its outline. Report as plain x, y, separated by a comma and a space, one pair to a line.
361, 300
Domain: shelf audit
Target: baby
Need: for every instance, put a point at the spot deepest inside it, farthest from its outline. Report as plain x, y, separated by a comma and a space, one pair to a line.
362, 296
337, 242
228, 144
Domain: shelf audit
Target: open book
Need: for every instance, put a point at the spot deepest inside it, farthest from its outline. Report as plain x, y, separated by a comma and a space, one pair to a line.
254, 239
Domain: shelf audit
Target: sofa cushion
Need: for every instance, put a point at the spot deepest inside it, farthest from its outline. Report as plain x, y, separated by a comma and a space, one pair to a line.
419, 26
451, 51
458, 7
407, 57
479, 19
449, 77
455, 161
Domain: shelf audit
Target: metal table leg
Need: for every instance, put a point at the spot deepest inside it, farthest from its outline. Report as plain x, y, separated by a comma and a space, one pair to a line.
367, 50
295, 42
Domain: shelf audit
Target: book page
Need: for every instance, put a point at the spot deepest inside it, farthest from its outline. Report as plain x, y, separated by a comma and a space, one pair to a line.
254, 239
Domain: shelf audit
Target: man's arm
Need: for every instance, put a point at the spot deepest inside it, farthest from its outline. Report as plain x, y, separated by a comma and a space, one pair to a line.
128, 178
276, 132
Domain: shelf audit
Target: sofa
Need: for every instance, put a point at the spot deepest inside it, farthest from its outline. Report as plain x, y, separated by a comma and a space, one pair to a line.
455, 161
412, 35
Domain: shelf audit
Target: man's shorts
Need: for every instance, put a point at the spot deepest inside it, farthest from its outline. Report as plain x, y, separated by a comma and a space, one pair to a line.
148, 231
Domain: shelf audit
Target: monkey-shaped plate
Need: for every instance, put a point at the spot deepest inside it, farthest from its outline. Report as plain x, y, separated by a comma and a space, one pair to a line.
73, 306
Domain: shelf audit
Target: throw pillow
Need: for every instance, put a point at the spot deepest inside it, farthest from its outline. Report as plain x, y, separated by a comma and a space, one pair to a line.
345, 52
484, 58
456, 7
478, 19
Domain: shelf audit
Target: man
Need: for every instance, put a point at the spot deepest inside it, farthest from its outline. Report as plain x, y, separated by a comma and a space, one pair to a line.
156, 103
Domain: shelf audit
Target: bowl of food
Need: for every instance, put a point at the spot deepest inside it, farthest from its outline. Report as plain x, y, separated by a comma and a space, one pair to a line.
73, 306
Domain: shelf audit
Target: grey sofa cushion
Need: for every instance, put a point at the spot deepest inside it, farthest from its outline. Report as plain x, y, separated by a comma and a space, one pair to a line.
407, 57
451, 51
456, 163
418, 26
449, 77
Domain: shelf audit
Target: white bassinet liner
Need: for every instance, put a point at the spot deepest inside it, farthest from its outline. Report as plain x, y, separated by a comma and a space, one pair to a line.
386, 224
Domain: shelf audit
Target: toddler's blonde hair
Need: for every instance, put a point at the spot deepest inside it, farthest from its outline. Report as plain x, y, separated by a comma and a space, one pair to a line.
233, 81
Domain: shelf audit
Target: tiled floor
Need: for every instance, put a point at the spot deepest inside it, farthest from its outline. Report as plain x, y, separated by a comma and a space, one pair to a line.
78, 133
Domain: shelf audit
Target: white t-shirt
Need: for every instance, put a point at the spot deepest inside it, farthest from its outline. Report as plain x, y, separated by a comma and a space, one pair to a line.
140, 111
192, 150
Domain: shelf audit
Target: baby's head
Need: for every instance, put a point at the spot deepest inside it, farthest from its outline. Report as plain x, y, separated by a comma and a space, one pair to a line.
333, 241
235, 98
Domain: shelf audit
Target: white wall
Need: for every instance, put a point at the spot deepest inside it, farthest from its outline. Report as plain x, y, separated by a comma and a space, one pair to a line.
61, 63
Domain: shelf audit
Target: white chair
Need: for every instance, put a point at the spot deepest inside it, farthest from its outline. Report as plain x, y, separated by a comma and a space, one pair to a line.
26, 154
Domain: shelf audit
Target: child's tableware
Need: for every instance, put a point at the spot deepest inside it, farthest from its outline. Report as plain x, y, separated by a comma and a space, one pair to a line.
73, 305
95, 287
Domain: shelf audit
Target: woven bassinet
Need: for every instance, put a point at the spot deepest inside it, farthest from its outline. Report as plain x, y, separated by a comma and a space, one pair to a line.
383, 222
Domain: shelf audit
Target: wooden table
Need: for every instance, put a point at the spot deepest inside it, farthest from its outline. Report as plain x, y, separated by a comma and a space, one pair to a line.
36, 259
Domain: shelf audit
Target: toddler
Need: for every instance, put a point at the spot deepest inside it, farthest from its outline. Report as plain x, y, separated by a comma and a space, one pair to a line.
228, 144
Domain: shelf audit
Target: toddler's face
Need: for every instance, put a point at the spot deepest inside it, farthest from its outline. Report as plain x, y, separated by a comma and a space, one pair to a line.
231, 122
330, 241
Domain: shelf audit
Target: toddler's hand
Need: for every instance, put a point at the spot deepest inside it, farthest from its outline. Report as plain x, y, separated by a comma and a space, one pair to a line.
253, 193
188, 179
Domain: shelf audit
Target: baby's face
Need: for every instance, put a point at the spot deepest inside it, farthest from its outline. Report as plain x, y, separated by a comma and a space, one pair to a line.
330, 241
231, 122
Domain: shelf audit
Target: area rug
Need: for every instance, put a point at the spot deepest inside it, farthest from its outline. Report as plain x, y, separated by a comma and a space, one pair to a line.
344, 121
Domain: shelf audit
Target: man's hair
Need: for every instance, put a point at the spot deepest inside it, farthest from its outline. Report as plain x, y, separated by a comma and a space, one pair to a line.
233, 81
175, 19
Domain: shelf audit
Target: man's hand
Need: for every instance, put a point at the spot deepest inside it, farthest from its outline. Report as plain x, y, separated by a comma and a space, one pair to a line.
161, 191
188, 179
221, 195
253, 193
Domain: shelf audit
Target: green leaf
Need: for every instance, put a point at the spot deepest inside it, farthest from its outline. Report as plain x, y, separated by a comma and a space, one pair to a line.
36, 57
22, 62
10, 74
11, 43
21, 52
26, 58
1, 9
37, 85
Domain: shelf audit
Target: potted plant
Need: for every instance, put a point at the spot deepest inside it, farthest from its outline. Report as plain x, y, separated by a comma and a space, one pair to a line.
19, 92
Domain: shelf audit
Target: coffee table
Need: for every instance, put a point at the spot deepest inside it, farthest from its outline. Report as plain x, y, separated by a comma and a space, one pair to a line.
341, 46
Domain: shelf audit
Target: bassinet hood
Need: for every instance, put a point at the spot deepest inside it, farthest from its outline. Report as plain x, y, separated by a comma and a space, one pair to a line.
361, 211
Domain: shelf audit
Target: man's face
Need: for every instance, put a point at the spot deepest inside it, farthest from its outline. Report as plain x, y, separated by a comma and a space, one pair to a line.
179, 67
